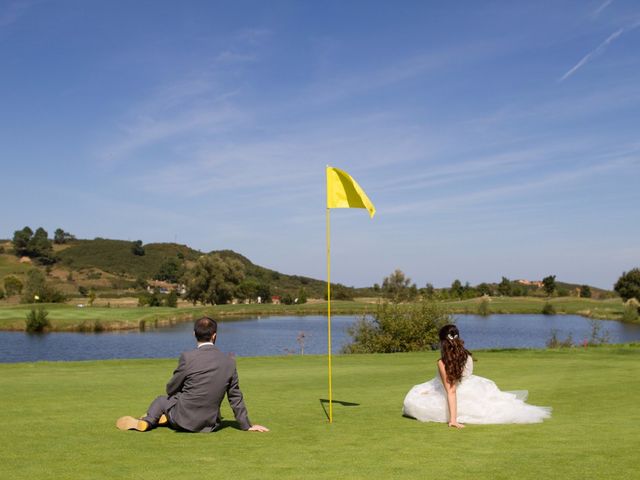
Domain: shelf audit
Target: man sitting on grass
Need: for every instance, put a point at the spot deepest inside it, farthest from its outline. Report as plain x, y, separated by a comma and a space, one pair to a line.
196, 390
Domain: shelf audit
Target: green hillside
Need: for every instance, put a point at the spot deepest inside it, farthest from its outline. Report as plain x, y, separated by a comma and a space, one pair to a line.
116, 256
111, 268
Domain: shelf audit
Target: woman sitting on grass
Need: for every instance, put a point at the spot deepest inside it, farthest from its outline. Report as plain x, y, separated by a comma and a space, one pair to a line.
457, 396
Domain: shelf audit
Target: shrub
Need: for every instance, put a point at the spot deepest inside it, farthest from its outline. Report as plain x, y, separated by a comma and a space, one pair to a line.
555, 342
137, 248
172, 299
399, 328
82, 290
630, 313
1, 294
287, 299
37, 320
302, 295
483, 308
12, 285
548, 309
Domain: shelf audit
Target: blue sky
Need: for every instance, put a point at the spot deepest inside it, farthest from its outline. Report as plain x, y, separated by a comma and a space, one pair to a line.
494, 138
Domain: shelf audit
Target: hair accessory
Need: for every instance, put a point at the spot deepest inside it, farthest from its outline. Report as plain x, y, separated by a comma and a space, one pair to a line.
451, 337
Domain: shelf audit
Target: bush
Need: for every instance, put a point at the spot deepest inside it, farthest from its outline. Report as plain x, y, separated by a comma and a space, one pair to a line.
628, 285
1, 294
287, 299
172, 299
12, 285
137, 248
399, 328
82, 290
483, 308
630, 313
37, 320
548, 309
555, 342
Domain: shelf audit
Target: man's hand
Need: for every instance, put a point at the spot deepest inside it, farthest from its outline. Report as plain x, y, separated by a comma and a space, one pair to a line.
257, 428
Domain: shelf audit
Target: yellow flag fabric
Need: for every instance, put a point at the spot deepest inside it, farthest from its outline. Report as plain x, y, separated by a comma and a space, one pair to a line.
344, 192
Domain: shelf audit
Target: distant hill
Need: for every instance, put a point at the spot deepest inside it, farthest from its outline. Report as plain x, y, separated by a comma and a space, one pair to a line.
115, 257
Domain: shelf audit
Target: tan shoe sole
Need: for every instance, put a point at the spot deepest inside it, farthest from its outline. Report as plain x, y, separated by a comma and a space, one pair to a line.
131, 423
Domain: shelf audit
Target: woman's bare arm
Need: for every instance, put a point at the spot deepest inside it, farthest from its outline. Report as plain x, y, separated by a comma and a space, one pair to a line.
452, 400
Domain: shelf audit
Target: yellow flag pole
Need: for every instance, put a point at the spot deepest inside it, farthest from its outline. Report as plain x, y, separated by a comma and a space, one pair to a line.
329, 314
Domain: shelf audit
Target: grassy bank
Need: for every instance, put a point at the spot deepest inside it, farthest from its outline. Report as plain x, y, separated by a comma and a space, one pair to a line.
610, 309
72, 318
58, 420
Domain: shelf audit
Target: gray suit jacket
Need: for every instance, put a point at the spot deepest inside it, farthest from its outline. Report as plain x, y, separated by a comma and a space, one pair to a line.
198, 386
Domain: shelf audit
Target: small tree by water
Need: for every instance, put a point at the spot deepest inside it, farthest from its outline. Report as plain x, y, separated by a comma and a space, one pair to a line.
37, 320
484, 309
548, 309
399, 328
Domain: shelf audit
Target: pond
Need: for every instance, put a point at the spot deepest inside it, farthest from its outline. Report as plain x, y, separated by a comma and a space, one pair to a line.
279, 335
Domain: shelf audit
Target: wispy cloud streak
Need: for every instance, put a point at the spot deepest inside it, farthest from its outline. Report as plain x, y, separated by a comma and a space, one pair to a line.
594, 53
601, 8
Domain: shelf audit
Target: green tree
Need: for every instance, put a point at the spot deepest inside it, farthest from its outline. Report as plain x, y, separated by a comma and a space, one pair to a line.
171, 270
429, 292
585, 291
21, 239
137, 248
456, 288
248, 289
172, 299
58, 236
287, 299
628, 285
214, 279
340, 292
399, 328
37, 320
92, 297
504, 287
549, 284
302, 295
35, 286
37, 290
263, 292
396, 287
485, 289
40, 247
12, 285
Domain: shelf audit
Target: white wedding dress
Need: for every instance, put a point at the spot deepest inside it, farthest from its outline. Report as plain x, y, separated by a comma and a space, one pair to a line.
479, 401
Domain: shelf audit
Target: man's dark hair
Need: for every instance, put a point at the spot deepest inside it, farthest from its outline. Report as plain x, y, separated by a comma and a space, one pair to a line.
204, 329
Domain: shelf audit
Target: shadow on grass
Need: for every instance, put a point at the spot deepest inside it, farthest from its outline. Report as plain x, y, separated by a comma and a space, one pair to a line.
325, 401
223, 424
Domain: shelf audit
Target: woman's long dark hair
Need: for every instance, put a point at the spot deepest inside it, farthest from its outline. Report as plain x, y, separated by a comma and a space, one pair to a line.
454, 355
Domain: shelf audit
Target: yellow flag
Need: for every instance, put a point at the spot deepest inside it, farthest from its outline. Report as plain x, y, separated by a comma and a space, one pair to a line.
344, 192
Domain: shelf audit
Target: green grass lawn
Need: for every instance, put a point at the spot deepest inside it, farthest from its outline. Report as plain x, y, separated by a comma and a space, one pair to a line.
70, 317
610, 309
58, 420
